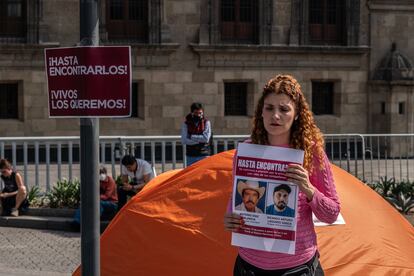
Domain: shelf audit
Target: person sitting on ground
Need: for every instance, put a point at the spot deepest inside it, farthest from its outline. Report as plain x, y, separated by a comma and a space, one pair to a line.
138, 171
13, 196
108, 195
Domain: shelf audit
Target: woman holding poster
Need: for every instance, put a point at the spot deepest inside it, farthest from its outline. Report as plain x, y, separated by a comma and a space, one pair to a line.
282, 118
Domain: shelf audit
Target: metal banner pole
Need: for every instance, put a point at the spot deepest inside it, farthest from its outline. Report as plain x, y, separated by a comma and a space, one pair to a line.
89, 161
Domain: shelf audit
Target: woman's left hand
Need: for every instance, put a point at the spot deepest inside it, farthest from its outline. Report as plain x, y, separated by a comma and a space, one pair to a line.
298, 175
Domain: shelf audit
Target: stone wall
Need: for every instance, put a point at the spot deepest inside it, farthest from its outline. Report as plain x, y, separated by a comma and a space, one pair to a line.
174, 74
391, 21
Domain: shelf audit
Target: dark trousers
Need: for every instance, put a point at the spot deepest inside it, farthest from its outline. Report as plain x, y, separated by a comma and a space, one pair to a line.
122, 197
106, 207
9, 202
311, 268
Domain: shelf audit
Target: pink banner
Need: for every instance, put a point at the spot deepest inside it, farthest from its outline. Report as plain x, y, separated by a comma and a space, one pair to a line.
89, 81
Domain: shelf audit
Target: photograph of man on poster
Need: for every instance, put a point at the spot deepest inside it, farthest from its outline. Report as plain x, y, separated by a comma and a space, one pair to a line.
279, 206
250, 192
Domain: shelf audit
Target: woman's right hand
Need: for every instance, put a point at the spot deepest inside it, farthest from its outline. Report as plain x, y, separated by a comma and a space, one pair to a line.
233, 222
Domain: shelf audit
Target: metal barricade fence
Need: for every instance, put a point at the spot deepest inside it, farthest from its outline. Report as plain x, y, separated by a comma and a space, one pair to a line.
390, 155
44, 160
347, 152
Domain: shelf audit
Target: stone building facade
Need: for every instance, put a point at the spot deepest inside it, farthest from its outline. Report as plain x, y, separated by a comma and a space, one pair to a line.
220, 53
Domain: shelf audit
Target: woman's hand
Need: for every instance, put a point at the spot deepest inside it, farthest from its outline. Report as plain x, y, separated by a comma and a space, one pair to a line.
298, 175
233, 222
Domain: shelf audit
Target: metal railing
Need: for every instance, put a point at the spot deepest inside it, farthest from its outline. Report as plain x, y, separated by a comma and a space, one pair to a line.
44, 160
389, 155
345, 150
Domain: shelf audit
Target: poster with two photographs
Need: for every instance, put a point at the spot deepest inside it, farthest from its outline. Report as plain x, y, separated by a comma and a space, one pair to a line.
265, 199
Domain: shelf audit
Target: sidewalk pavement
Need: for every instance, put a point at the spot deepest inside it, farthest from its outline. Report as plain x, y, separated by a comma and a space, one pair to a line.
38, 252
41, 218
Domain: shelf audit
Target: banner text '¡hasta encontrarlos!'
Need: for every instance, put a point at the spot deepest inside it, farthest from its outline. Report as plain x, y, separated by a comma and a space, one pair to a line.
69, 66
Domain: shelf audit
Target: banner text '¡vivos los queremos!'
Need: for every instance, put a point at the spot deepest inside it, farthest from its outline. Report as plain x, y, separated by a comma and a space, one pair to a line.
89, 104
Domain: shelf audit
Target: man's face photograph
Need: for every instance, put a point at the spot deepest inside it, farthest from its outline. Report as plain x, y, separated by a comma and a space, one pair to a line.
250, 198
281, 199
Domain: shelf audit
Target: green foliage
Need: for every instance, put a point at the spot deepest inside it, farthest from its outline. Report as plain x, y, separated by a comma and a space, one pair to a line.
399, 194
402, 203
405, 187
33, 195
65, 193
384, 186
118, 180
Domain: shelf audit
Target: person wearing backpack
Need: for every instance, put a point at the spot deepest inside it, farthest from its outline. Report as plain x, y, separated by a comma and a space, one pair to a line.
196, 134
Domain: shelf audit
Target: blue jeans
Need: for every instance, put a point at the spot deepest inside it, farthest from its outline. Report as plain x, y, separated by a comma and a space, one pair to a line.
193, 159
105, 206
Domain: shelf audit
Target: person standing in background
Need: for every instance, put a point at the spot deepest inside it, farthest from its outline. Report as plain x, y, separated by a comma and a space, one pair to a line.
196, 134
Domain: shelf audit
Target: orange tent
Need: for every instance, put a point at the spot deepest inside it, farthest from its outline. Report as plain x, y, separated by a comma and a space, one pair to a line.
175, 227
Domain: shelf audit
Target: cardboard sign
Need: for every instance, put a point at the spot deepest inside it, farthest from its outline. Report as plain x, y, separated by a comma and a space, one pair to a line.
89, 81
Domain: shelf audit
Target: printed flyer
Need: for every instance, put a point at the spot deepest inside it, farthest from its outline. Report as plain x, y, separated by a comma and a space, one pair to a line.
265, 199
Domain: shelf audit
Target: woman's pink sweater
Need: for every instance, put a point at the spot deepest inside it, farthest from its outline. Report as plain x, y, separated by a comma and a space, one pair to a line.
325, 205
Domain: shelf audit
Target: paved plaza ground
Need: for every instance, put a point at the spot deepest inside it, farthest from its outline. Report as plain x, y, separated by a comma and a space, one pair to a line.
29, 252
38, 252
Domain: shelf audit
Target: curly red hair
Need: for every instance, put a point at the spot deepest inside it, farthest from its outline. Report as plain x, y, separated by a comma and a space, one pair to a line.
305, 135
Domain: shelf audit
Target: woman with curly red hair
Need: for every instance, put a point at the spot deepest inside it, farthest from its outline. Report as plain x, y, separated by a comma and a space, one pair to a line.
282, 118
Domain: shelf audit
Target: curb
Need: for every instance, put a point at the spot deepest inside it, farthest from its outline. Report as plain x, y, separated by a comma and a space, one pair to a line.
38, 222
49, 212
46, 219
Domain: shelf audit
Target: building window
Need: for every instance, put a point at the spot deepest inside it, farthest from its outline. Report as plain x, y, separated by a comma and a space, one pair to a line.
323, 98
137, 100
326, 21
239, 21
401, 108
382, 108
236, 22
13, 18
235, 98
9, 101
127, 20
